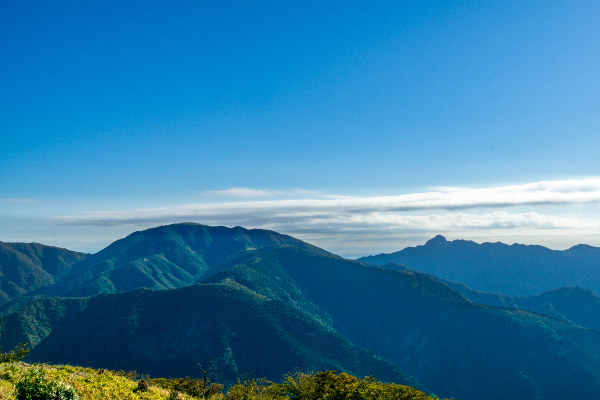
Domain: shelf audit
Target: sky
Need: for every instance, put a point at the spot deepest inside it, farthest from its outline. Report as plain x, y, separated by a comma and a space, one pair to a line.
361, 127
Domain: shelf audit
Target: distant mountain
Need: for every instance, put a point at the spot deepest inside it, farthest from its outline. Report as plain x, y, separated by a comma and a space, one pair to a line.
516, 270
26, 267
227, 328
165, 257
570, 304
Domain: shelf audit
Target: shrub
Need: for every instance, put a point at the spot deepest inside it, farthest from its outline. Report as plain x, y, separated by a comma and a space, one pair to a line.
143, 386
132, 375
35, 386
175, 395
189, 386
331, 386
17, 354
260, 389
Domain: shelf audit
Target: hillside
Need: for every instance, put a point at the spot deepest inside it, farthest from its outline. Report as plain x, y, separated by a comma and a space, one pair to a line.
449, 344
165, 257
227, 328
26, 267
571, 304
516, 270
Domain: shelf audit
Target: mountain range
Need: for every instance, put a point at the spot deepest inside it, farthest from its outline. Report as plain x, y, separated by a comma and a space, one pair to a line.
242, 302
516, 270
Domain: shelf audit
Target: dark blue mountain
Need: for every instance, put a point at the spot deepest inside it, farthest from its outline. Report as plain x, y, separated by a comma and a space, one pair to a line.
516, 270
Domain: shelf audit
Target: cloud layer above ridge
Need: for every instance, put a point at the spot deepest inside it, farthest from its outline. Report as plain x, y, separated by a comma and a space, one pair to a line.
442, 208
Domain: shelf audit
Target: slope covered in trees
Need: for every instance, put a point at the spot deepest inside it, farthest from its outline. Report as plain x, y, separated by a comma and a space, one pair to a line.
25, 267
165, 257
447, 343
570, 304
227, 328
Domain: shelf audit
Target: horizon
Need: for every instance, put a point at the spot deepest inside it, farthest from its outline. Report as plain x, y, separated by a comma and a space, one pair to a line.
359, 128
347, 256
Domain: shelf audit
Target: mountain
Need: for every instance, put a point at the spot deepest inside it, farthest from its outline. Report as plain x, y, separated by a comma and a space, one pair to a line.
26, 267
227, 328
447, 343
571, 304
267, 303
165, 257
516, 270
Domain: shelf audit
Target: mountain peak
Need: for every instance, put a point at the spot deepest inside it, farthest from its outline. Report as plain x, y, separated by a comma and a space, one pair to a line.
439, 240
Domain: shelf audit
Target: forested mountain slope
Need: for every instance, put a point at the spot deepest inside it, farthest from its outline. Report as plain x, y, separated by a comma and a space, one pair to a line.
227, 328
571, 304
447, 343
165, 257
25, 267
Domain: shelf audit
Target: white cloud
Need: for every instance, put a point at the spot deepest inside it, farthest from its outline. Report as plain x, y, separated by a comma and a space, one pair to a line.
363, 215
354, 219
350, 208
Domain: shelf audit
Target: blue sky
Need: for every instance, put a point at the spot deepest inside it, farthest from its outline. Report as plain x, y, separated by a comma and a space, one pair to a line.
287, 107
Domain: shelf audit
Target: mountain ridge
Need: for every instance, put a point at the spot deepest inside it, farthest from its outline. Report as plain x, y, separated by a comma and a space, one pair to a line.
260, 301
516, 270
27, 267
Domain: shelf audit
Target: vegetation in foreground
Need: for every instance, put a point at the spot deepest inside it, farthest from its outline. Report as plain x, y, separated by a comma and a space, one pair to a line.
23, 381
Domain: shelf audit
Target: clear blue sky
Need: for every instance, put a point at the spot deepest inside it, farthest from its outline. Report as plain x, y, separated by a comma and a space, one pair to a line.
115, 106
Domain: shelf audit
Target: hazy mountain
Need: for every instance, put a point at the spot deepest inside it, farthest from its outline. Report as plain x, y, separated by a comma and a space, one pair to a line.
25, 267
227, 328
516, 270
571, 304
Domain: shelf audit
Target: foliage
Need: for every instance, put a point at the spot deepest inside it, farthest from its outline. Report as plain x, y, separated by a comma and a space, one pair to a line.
17, 354
260, 389
192, 387
143, 385
35, 385
132, 375
330, 386
174, 395
90, 384
34, 382
324, 386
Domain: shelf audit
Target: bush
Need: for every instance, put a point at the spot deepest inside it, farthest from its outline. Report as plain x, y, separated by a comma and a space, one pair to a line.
189, 386
175, 395
326, 385
143, 386
36, 386
260, 389
17, 354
